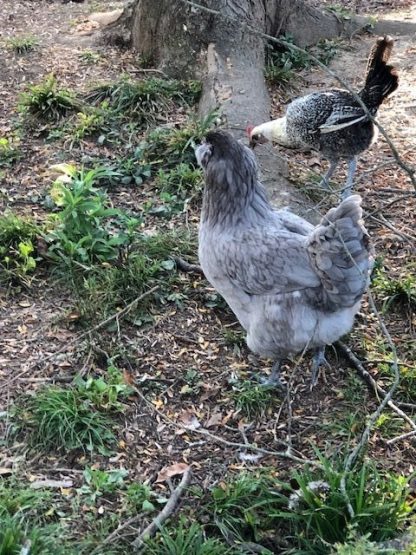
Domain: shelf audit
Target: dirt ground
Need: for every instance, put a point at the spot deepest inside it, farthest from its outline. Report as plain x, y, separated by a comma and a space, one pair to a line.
40, 342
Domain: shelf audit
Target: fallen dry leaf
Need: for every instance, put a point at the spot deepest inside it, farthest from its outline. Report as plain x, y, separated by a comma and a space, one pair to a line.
170, 471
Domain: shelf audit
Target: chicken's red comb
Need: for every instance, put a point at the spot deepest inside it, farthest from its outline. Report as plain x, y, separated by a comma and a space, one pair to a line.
249, 129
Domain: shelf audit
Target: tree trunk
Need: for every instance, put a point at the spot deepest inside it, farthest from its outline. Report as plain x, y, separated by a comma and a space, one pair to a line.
184, 41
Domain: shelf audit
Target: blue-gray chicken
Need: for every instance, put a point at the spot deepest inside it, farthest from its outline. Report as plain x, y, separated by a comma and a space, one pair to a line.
291, 285
332, 121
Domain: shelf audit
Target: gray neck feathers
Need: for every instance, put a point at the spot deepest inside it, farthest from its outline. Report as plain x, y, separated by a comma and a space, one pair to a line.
233, 194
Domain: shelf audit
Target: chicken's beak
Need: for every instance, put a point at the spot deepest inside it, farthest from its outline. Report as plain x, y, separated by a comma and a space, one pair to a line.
257, 139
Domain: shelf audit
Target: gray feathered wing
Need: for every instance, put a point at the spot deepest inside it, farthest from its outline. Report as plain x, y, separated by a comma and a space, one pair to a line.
264, 262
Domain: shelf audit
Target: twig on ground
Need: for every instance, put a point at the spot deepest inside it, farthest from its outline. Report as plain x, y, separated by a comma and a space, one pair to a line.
186, 267
115, 534
356, 452
165, 513
115, 316
287, 454
365, 375
402, 436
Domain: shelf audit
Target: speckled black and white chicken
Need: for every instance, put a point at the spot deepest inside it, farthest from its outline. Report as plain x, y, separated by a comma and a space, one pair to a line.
291, 285
333, 122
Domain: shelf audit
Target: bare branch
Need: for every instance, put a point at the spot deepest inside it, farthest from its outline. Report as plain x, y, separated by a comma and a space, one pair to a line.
165, 513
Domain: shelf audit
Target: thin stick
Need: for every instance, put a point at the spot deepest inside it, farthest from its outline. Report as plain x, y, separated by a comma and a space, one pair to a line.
116, 533
80, 336
165, 513
409, 170
201, 431
365, 375
403, 436
356, 452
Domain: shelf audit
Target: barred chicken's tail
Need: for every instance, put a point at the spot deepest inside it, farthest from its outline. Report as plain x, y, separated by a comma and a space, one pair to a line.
341, 253
381, 78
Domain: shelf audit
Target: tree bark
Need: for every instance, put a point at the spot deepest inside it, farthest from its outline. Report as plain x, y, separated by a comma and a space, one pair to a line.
185, 42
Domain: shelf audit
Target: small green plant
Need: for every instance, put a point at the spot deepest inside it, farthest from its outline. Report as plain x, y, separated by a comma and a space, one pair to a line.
87, 125
64, 419
90, 57
168, 147
46, 102
132, 169
193, 382
145, 100
252, 399
184, 180
84, 229
282, 62
105, 392
102, 482
138, 497
234, 338
399, 291
389, 426
147, 263
9, 153
311, 510
185, 539
23, 45
24, 519
340, 11
17, 236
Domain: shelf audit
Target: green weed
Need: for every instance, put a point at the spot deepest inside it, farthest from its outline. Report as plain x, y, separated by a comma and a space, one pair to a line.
105, 392
90, 57
167, 147
145, 100
85, 230
185, 539
311, 511
9, 152
23, 45
65, 419
184, 180
101, 482
46, 102
17, 260
252, 399
396, 291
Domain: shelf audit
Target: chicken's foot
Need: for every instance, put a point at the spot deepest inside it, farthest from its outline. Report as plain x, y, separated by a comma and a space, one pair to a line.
325, 180
274, 378
347, 190
318, 361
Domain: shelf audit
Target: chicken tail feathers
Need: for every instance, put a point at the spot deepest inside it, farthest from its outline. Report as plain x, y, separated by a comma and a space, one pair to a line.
381, 78
341, 254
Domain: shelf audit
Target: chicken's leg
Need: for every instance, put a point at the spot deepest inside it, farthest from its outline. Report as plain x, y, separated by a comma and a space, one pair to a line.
352, 166
325, 180
274, 378
318, 361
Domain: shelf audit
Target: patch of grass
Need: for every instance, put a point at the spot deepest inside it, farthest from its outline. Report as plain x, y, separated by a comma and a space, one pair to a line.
185, 539
25, 520
167, 147
64, 419
389, 426
184, 181
46, 102
340, 11
90, 57
23, 45
9, 152
17, 251
282, 62
131, 170
148, 263
396, 291
87, 125
147, 99
234, 338
101, 482
252, 399
311, 512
